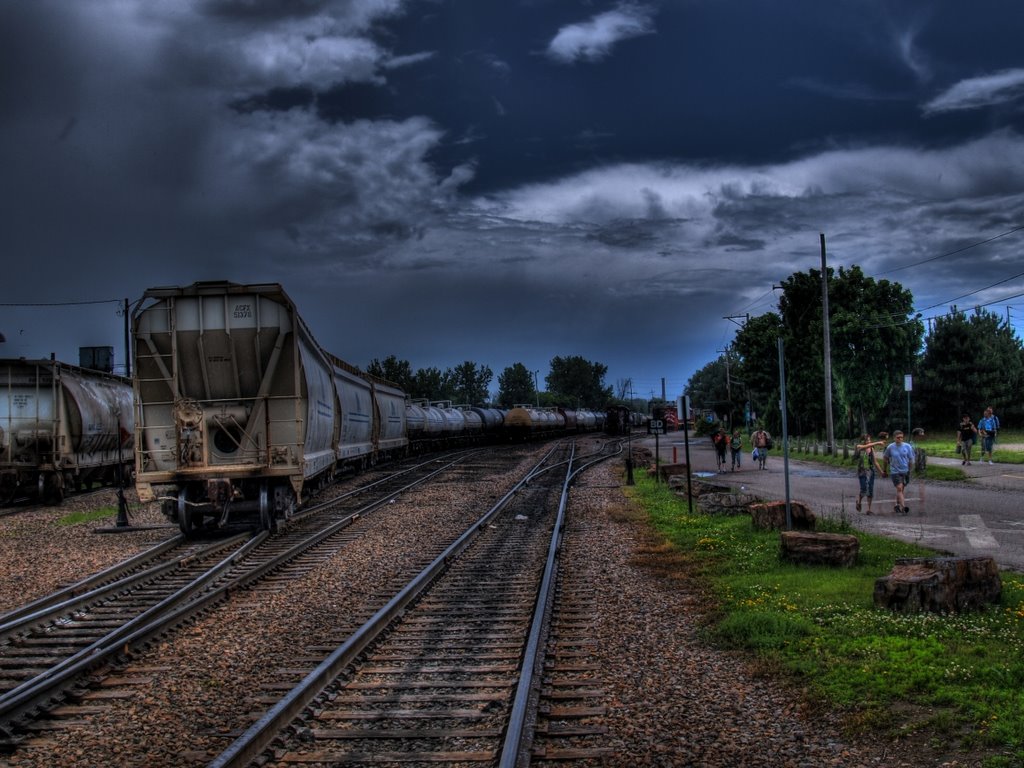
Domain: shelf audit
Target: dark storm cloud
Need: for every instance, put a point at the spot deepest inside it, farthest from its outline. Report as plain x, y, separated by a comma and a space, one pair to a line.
417, 170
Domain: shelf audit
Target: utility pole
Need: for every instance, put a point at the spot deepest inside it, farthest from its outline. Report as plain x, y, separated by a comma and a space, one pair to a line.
127, 342
829, 429
728, 385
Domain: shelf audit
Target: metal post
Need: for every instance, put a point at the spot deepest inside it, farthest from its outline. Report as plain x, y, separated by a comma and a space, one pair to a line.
122, 503
686, 444
629, 439
785, 434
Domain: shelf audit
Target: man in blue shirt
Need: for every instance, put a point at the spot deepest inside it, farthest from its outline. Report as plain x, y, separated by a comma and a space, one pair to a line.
898, 459
987, 429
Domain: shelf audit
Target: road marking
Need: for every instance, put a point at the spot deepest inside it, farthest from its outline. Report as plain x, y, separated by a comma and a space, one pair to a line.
978, 534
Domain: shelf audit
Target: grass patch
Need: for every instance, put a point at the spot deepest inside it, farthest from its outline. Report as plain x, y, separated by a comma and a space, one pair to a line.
961, 676
92, 515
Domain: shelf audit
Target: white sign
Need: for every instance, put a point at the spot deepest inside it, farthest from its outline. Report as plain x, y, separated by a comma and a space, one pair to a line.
908, 383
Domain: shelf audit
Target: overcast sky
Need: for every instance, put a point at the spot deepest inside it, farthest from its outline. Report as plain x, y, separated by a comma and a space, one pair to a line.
503, 182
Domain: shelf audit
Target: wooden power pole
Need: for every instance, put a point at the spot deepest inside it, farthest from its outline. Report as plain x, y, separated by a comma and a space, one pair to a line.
829, 429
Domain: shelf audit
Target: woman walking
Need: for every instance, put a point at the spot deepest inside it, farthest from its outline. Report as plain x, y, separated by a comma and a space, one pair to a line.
867, 463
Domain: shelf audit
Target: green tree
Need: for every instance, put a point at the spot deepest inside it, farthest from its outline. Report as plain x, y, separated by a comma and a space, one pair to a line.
875, 338
468, 383
756, 356
516, 385
707, 388
428, 383
970, 362
576, 382
394, 370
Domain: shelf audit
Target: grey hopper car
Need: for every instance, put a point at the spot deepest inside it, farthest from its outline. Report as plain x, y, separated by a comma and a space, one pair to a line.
240, 412
62, 427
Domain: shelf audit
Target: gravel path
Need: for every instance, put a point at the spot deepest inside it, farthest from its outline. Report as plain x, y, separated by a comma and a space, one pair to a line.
672, 701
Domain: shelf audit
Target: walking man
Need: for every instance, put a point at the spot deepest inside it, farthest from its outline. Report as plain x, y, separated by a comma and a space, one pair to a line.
899, 459
988, 427
762, 441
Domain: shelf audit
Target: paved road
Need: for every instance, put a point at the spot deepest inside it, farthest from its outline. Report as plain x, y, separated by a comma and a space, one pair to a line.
984, 516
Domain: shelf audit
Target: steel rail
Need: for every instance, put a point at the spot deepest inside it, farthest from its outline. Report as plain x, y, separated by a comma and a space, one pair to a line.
535, 645
83, 585
55, 611
164, 614
258, 736
516, 741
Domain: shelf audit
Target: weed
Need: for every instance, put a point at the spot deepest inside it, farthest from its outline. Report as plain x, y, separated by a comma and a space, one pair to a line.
820, 624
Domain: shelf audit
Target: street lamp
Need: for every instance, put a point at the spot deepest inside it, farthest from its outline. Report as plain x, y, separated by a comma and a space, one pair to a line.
536, 387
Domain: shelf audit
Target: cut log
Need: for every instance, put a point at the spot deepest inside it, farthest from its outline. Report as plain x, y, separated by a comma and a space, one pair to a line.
727, 503
939, 584
811, 548
669, 470
771, 516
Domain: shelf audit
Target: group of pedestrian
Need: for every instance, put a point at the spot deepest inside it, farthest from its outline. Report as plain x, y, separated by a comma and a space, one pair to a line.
967, 434
898, 457
724, 442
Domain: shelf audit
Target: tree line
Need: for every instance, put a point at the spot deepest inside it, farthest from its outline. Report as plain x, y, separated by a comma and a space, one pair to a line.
961, 363
572, 382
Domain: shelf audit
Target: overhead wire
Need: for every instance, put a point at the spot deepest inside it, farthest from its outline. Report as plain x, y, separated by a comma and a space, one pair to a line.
951, 253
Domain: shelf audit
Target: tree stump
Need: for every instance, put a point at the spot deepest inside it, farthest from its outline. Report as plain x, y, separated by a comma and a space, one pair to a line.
939, 584
810, 548
771, 516
670, 470
727, 503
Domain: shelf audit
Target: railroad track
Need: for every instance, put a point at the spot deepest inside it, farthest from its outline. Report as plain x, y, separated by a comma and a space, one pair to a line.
52, 644
448, 670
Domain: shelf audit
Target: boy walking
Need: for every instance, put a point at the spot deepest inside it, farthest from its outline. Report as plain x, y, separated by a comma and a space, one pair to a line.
898, 459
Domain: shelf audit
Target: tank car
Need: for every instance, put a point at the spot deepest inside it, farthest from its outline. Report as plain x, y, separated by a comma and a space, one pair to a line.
571, 419
240, 412
454, 421
62, 427
527, 422
491, 420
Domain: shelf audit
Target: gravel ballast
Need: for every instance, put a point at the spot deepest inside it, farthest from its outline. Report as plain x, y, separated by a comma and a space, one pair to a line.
672, 699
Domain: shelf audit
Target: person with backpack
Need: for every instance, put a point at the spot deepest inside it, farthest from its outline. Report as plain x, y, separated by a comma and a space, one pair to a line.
721, 442
988, 428
736, 449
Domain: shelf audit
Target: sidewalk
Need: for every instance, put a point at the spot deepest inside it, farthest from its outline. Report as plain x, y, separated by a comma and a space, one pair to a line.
980, 515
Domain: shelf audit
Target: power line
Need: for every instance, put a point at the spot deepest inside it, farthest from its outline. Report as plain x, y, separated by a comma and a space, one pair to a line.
951, 253
61, 303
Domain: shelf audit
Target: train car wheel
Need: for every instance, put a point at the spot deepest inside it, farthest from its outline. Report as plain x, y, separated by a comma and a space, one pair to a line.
51, 489
186, 521
266, 514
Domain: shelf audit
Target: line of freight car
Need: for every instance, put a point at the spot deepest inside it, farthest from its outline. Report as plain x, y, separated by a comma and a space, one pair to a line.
241, 413
62, 428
